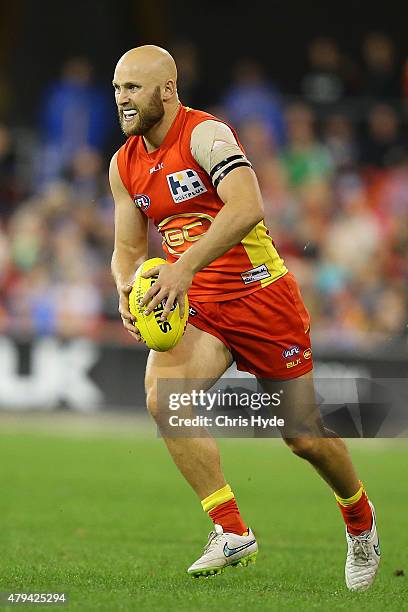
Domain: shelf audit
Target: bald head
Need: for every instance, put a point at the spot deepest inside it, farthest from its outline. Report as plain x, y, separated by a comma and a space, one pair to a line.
151, 60
145, 82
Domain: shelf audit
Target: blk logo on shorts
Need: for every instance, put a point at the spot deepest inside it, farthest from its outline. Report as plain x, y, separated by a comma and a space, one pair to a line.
293, 364
185, 185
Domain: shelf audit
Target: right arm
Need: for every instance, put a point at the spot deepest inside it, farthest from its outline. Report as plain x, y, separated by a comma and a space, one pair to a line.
130, 244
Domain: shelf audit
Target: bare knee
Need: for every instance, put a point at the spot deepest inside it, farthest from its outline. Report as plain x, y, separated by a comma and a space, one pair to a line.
159, 410
152, 403
305, 447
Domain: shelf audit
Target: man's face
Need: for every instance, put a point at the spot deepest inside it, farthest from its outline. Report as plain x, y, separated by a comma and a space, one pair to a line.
139, 102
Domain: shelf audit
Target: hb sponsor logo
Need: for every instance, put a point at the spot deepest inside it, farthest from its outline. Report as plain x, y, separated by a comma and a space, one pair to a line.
184, 185
142, 201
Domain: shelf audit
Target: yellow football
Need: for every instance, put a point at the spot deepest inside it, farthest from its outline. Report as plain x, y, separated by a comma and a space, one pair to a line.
158, 335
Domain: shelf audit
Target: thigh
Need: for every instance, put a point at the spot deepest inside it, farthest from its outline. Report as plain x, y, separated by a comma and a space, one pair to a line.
198, 355
268, 331
298, 406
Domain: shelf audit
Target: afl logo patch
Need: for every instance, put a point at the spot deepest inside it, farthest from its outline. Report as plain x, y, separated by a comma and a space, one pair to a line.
291, 352
142, 201
307, 354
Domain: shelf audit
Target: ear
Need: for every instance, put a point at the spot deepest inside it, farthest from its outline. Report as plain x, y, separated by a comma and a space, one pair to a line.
169, 90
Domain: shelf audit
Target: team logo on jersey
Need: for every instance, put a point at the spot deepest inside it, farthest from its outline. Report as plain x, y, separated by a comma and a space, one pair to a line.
142, 201
184, 185
179, 231
307, 354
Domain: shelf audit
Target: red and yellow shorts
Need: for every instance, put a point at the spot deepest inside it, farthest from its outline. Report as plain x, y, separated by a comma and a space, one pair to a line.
267, 331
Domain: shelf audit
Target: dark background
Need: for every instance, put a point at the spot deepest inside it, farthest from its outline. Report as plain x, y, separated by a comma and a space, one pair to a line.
36, 37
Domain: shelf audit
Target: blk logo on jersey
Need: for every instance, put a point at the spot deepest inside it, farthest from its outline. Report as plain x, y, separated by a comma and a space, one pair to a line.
156, 168
142, 201
185, 185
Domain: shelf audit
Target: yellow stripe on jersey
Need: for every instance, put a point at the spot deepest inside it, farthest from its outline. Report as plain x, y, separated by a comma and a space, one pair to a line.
259, 247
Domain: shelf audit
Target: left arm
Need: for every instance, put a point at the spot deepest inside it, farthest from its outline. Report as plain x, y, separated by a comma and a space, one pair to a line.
242, 210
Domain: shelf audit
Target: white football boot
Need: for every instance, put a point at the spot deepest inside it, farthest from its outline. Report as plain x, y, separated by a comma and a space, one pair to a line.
363, 557
223, 549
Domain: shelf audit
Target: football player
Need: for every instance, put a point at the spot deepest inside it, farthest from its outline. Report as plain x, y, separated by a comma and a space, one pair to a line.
186, 172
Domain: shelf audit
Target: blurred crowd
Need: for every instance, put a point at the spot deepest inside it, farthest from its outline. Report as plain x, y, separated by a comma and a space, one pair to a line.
332, 162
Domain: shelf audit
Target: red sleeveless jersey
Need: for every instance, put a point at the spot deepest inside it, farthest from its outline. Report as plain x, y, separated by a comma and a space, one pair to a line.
173, 190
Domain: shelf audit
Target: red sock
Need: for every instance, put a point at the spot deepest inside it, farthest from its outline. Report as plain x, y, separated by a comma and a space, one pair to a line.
357, 516
227, 515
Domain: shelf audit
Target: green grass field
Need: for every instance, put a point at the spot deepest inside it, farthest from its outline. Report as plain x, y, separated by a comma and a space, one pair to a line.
106, 518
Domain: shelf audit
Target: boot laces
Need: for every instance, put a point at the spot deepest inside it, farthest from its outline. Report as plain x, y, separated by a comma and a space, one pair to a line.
213, 539
360, 549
